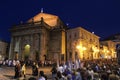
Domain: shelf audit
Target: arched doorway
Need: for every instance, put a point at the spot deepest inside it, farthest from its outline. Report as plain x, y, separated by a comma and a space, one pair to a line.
26, 51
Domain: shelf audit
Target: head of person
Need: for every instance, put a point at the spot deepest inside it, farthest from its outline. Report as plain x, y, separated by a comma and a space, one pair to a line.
41, 73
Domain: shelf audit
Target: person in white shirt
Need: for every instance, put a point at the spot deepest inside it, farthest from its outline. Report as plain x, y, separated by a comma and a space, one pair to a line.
60, 68
91, 72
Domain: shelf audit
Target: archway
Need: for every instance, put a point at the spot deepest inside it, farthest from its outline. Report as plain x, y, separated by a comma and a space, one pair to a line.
26, 51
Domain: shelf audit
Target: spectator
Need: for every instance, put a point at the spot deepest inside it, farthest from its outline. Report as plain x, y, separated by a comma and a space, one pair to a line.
34, 69
24, 70
42, 76
54, 72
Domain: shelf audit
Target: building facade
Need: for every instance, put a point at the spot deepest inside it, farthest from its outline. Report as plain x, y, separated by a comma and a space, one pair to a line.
82, 44
3, 49
46, 37
108, 49
42, 37
116, 39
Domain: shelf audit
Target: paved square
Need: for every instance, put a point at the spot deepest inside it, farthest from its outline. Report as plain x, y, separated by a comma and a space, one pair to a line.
7, 73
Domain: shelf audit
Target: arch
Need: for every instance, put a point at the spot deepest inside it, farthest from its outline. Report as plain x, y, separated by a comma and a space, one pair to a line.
26, 51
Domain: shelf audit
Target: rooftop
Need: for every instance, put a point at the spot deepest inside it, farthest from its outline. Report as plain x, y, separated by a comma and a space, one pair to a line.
48, 18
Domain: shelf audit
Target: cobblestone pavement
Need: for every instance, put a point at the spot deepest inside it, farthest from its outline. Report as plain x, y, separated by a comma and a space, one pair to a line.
7, 73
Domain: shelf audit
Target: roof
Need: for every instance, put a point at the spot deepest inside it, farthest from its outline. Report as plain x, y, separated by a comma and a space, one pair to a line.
81, 28
48, 18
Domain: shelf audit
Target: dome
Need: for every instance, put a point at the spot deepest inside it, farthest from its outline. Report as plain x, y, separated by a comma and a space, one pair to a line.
51, 20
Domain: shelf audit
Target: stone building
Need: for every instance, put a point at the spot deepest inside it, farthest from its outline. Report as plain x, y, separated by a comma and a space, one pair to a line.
82, 44
3, 49
116, 39
45, 36
41, 37
108, 49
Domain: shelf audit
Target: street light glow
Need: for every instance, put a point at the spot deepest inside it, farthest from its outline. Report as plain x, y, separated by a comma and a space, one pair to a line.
78, 47
84, 48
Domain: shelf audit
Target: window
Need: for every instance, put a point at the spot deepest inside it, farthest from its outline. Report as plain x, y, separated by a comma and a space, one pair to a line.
75, 35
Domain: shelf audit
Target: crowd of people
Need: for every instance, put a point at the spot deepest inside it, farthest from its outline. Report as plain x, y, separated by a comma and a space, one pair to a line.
20, 71
20, 67
99, 69
12, 63
104, 69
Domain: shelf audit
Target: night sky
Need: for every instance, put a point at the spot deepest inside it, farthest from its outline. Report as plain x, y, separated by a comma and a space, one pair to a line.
99, 16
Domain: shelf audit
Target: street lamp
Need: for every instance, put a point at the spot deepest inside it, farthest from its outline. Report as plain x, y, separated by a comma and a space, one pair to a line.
78, 47
96, 50
84, 48
81, 50
108, 54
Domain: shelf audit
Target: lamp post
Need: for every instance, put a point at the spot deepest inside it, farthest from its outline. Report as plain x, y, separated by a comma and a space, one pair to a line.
96, 51
108, 54
79, 50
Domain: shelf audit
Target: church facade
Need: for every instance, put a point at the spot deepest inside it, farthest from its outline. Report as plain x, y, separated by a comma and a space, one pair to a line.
41, 37
46, 37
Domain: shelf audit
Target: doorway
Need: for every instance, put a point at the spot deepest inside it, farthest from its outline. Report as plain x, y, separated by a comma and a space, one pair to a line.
26, 51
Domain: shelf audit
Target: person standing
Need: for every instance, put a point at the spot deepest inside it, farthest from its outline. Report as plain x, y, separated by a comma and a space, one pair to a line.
35, 69
17, 70
54, 72
42, 76
24, 70
77, 63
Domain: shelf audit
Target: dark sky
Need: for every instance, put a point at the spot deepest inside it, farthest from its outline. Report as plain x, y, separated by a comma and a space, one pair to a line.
100, 16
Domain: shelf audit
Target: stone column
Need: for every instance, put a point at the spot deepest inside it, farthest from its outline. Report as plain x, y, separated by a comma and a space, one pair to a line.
39, 42
11, 47
19, 54
42, 46
20, 48
32, 57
